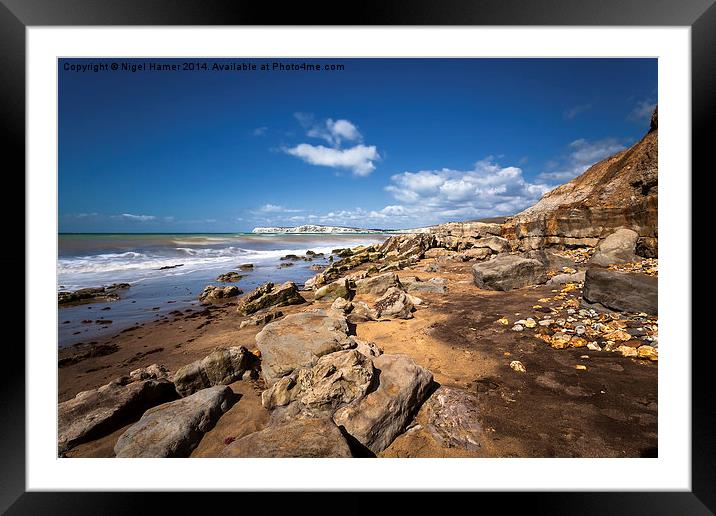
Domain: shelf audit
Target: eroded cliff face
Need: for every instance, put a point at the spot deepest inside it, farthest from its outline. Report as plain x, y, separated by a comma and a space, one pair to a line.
619, 191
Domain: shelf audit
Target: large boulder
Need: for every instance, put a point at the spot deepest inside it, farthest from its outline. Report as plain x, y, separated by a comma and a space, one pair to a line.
394, 304
494, 243
308, 438
221, 367
268, 295
619, 247
334, 290
508, 272
336, 380
621, 291
101, 411
378, 418
299, 340
175, 428
213, 294
452, 416
377, 285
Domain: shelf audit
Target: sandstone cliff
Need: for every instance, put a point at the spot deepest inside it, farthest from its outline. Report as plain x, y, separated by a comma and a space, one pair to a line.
619, 191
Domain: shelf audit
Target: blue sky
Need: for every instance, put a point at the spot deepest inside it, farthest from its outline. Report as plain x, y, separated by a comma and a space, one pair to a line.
383, 143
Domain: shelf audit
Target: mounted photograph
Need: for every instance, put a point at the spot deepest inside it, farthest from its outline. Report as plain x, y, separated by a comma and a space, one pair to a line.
357, 257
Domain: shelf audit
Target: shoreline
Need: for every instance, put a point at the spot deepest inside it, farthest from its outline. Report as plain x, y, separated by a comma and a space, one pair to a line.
551, 410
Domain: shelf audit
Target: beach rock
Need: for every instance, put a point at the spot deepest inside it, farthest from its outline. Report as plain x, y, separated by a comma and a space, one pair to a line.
342, 305
91, 294
339, 288
308, 438
380, 416
394, 304
647, 247
229, 277
476, 253
299, 340
153, 372
620, 291
413, 284
495, 243
507, 272
648, 352
268, 295
246, 266
377, 285
261, 319
369, 349
361, 312
175, 428
549, 259
213, 294
453, 420
291, 257
335, 380
221, 367
91, 414
619, 247
561, 279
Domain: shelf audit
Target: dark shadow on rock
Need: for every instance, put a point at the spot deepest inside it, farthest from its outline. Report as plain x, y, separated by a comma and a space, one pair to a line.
358, 449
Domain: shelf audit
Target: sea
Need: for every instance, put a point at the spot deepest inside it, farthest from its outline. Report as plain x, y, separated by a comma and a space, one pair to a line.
167, 272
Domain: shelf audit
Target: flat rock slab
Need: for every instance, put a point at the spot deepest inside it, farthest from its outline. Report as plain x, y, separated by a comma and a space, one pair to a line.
621, 291
453, 418
413, 284
509, 272
299, 340
100, 411
383, 414
221, 367
175, 428
309, 438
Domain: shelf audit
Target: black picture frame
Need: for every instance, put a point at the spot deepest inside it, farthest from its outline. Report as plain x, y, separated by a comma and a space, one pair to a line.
17, 15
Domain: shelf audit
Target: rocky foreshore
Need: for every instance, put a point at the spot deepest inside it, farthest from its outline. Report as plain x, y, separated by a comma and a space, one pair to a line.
470, 339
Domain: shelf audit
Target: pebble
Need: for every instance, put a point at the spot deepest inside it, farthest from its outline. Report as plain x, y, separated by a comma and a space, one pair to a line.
594, 346
504, 321
581, 367
546, 322
518, 366
580, 329
518, 327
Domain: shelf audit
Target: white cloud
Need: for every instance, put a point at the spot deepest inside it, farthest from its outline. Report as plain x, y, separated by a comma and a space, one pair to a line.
582, 155
359, 159
575, 111
332, 131
642, 111
131, 216
260, 131
487, 190
275, 208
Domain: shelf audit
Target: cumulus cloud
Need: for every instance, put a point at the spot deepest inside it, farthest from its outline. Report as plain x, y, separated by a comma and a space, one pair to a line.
575, 111
359, 159
642, 111
581, 155
488, 190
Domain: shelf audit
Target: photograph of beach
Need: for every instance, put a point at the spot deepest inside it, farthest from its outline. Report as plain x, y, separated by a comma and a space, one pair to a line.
357, 258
